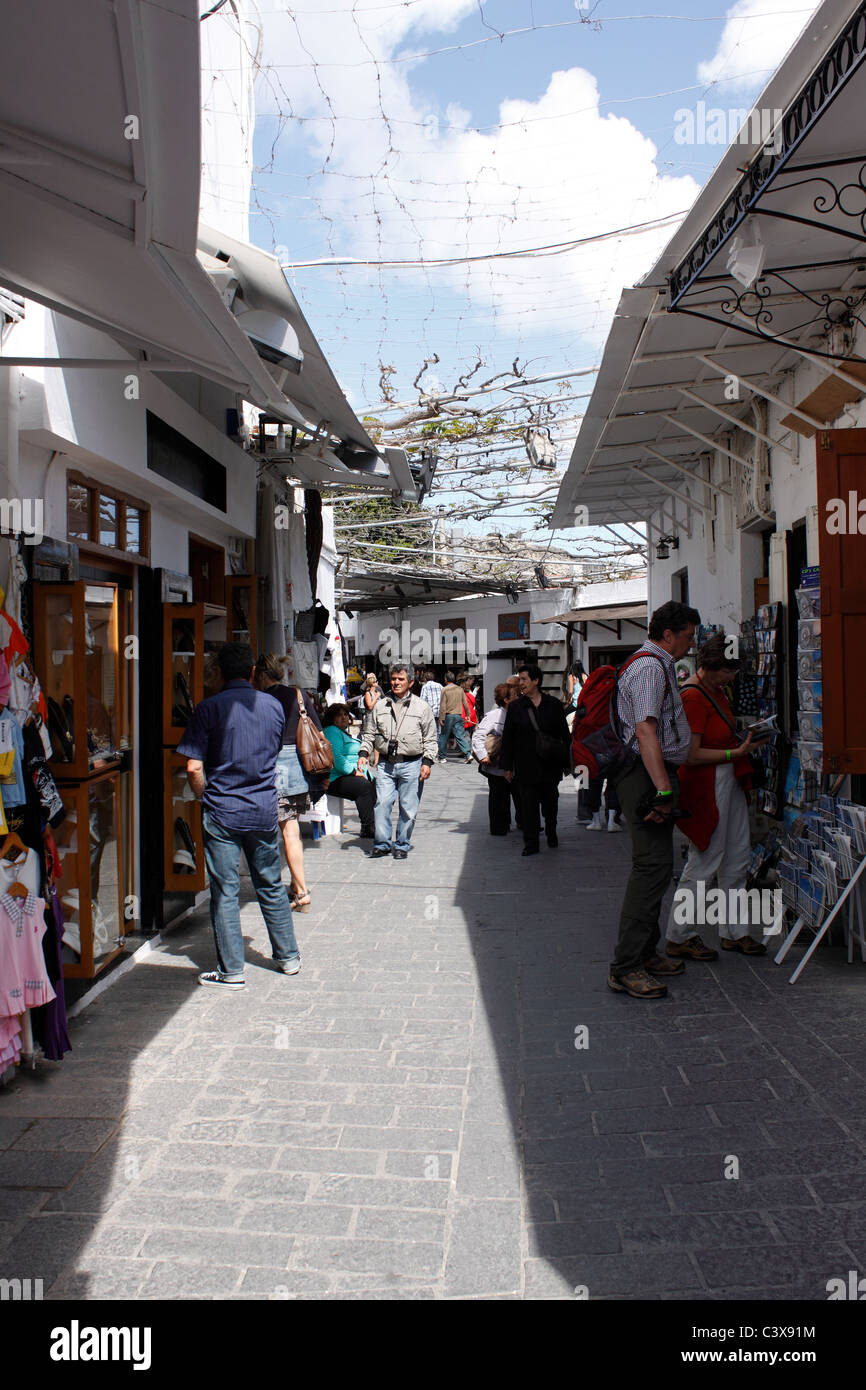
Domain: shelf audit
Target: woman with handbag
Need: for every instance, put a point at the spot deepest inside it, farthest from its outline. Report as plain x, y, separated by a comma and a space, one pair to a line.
714, 787
294, 782
486, 743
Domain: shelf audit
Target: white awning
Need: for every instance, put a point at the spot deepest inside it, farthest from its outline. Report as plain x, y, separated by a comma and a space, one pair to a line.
692, 355
99, 172
634, 612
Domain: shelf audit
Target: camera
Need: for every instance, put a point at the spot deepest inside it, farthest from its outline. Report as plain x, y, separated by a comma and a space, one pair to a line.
392, 750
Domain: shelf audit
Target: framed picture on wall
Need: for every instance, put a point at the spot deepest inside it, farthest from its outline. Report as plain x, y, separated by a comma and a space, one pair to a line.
513, 627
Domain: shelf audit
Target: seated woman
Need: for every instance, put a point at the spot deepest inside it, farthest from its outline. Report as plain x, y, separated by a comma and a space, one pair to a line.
345, 781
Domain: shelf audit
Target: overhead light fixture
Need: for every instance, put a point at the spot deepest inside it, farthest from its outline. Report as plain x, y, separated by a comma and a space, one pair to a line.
747, 255
665, 544
273, 338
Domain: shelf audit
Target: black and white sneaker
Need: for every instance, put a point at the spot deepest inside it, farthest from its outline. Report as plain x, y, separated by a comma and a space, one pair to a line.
213, 977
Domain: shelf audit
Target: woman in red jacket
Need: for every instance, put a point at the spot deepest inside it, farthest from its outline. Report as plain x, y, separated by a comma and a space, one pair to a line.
714, 786
470, 715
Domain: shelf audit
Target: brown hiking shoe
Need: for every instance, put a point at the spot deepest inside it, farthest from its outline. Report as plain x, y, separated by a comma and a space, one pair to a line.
657, 965
693, 949
745, 944
638, 984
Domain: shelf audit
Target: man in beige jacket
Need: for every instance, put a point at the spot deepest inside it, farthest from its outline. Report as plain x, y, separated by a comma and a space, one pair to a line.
402, 729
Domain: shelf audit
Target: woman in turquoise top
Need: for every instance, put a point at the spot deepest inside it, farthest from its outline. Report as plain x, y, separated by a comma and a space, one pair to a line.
345, 781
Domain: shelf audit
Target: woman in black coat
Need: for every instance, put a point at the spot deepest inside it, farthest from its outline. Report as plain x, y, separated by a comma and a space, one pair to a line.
535, 753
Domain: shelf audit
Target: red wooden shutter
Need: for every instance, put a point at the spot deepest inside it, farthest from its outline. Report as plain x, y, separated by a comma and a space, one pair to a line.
841, 465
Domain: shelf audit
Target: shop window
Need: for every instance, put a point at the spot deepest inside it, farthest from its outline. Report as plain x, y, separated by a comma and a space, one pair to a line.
78, 499
108, 520
97, 515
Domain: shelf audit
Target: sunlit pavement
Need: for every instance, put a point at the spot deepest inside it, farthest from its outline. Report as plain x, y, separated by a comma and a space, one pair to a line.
447, 1102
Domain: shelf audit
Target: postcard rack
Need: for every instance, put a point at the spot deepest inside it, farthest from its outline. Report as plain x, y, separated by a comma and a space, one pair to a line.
821, 862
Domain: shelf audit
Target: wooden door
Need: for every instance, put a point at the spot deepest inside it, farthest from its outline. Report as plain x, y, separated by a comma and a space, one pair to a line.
841, 469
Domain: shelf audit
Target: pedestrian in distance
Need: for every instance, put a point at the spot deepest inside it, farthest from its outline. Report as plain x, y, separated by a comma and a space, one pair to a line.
486, 746
402, 729
431, 692
451, 719
714, 784
346, 781
296, 788
231, 745
656, 739
469, 711
535, 751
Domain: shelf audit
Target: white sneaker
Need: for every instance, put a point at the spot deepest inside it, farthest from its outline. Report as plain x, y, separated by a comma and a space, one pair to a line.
596, 823
213, 977
290, 966
613, 828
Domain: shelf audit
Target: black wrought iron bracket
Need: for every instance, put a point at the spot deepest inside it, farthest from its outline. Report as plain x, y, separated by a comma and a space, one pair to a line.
815, 97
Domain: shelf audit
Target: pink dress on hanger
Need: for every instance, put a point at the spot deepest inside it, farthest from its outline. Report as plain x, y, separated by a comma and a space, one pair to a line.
24, 983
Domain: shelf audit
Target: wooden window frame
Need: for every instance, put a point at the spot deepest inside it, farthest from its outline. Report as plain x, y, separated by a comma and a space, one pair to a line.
122, 501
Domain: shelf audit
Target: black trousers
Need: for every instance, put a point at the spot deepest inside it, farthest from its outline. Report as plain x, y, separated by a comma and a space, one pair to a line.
360, 790
500, 794
652, 867
593, 793
537, 800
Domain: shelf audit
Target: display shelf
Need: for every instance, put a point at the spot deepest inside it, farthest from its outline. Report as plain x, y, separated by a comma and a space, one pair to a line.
183, 844
242, 609
76, 654
183, 655
91, 885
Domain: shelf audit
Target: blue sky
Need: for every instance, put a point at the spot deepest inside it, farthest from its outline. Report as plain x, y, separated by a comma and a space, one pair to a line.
561, 133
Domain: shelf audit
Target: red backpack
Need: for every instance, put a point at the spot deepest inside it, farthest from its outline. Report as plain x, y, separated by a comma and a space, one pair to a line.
596, 740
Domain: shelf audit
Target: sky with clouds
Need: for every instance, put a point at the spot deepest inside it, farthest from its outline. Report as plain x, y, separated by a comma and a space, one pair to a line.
427, 130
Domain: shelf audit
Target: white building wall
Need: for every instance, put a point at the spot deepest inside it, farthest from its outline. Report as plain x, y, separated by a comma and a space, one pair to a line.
721, 575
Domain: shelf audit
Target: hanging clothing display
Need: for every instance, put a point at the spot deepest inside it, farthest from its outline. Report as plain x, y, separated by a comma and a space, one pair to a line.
24, 982
12, 792
49, 1021
305, 665
300, 591
315, 533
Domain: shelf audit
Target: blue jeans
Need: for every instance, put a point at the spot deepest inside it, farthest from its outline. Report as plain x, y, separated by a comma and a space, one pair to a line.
453, 725
222, 852
396, 781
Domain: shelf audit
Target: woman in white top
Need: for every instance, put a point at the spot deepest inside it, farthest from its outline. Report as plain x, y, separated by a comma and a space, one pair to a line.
500, 792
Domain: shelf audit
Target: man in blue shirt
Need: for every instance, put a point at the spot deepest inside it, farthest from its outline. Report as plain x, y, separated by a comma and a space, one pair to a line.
231, 746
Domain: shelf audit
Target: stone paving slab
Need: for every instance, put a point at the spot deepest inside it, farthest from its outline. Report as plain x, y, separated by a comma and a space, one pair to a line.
447, 1102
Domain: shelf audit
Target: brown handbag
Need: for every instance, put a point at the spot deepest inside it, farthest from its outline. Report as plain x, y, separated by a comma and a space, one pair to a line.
314, 750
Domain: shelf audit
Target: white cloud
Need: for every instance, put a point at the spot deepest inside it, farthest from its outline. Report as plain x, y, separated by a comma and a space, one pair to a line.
402, 179
755, 39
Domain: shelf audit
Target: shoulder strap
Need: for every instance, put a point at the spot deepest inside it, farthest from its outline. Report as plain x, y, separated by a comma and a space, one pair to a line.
707, 696
301, 707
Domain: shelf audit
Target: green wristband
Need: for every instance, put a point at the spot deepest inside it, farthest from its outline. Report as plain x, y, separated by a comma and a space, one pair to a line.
728, 755
667, 793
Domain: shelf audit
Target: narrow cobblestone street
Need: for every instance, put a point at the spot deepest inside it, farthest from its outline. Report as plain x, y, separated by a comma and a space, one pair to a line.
411, 1117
